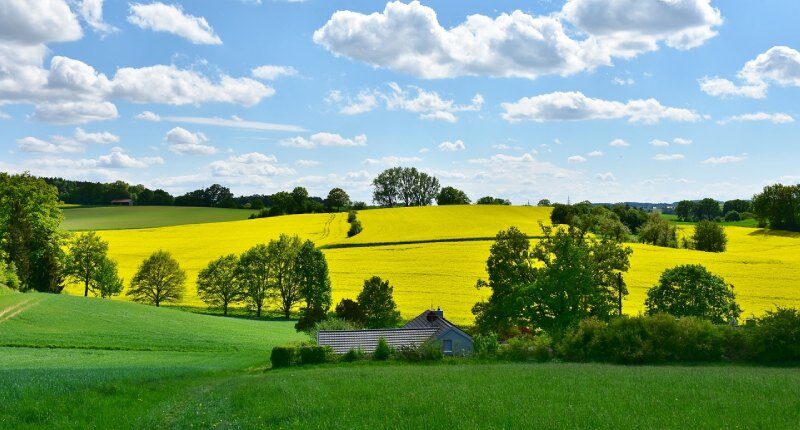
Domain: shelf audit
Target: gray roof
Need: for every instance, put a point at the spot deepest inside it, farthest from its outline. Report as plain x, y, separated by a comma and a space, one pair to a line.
433, 319
342, 341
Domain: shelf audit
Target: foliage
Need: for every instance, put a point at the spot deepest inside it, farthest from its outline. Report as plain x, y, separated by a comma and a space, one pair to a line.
159, 279
566, 277
354, 354
313, 354
709, 236
405, 186
684, 210
779, 206
737, 205
691, 290
351, 216
430, 350
733, 216
254, 271
282, 255
218, 285
355, 228
337, 199
485, 345
526, 348
602, 222
105, 280
377, 304
707, 209
382, 351
452, 196
349, 310
215, 196
544, 203
311, 273
358, 206
87, 252
282, 356
776, 336
489, 200
659, 232
96, 193
8, 275
329, 324
29, 231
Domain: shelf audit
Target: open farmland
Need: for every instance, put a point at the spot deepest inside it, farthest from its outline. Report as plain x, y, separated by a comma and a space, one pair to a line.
763, 266
124, 217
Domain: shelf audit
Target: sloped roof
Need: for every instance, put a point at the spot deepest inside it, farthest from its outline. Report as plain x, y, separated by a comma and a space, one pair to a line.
342, 341
433, 319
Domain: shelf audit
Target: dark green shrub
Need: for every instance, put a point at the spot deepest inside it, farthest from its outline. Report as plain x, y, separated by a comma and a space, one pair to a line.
351, 216
733, 216
776, 336
431, 350
580, 343
313, 354
408, 353
542, 348
355, 228
520, 348
282, 356
383, 351
485, 345
709, 236
699, 340
350, 311
353, 355
358, 205
747, 215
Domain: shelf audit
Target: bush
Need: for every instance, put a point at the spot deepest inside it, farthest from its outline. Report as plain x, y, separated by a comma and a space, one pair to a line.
351, 216
747, 215
709, 236
282, 356
733, 216
430, 350
542, 348
776, 336
349, 310
355, 228
485, 345
313, 354
526, 348
358, 206
659, 232
353, 355
383, 351
580, 343
691, 290
329, 324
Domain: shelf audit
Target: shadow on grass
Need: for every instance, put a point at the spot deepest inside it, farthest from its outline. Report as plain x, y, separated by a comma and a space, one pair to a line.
775, 233
233, 313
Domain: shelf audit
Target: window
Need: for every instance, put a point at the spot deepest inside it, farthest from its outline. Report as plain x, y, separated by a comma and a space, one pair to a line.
447, 346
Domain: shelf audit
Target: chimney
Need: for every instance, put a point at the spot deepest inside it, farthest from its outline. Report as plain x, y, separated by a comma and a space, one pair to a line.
439, 313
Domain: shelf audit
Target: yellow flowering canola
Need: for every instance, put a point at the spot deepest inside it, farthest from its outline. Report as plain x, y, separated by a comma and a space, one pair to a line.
763, 267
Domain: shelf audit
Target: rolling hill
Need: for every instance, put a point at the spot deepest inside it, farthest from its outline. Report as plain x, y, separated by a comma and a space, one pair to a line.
124, 217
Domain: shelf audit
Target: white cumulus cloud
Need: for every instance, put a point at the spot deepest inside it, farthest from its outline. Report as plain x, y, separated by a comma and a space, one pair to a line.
448, 146
172, 19
184, 142
324, 139
775, 118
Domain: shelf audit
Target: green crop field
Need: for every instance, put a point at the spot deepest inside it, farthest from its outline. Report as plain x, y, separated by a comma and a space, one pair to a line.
125, 217
74, 362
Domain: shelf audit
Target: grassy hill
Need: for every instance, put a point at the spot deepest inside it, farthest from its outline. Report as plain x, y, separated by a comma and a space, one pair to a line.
74, 362
446, 252
124, 217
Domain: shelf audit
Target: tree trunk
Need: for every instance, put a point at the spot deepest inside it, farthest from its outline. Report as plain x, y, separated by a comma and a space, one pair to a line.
86, 289
225, 309
258, 311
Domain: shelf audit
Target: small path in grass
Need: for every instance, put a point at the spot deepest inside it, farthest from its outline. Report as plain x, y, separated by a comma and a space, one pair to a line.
18, 308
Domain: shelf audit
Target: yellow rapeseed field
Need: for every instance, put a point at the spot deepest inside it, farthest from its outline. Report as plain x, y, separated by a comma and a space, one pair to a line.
763, 267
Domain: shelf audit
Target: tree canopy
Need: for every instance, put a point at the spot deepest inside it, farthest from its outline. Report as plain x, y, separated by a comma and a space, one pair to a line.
218, 285
377, 304
778, 206
337, 199
87, 252
311, 271
452, 196
159, 279
691, 290
404, 186
709, 236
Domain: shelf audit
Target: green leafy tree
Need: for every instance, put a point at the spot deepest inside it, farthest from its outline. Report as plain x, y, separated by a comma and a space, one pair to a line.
105, 279
350, 311
377, 304
404, 185
452, 196
218, 285
709, 236
159, 279
281, 203
779, 207
489, 200
8, 275
659, 232
684, 210
255, 273
737, 205
691, 290
299, 200
566, 277
282, 255
311, 272
86, 253
386, 187
544, 203
29, 231
337, 199
706, 209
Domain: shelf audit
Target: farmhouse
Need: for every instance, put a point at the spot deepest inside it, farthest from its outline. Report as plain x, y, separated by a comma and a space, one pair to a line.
430, 325
122, 202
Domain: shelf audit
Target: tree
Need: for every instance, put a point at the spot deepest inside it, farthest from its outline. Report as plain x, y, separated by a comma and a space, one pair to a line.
218, 285
299, 200
684, 210
159, 279
659, 232
779, 207
709, 236
217, 195
29, 231
281, 203
8, 275
737, 205
566, 277
311, 272
377, 304
87, 252
255, 273
544, 203
733, 216
105, 280
386, 187
350, 311
452, 196
337, 198
282, 255
691, 290
489, 200
706, 209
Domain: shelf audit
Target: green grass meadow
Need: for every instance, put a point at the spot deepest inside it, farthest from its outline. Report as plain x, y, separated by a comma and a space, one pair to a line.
74, 362
127, 217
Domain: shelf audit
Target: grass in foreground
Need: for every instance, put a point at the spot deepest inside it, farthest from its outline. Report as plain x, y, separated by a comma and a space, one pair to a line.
127, 217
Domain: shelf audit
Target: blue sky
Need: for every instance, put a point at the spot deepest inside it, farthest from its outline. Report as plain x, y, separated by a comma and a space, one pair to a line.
606, 100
